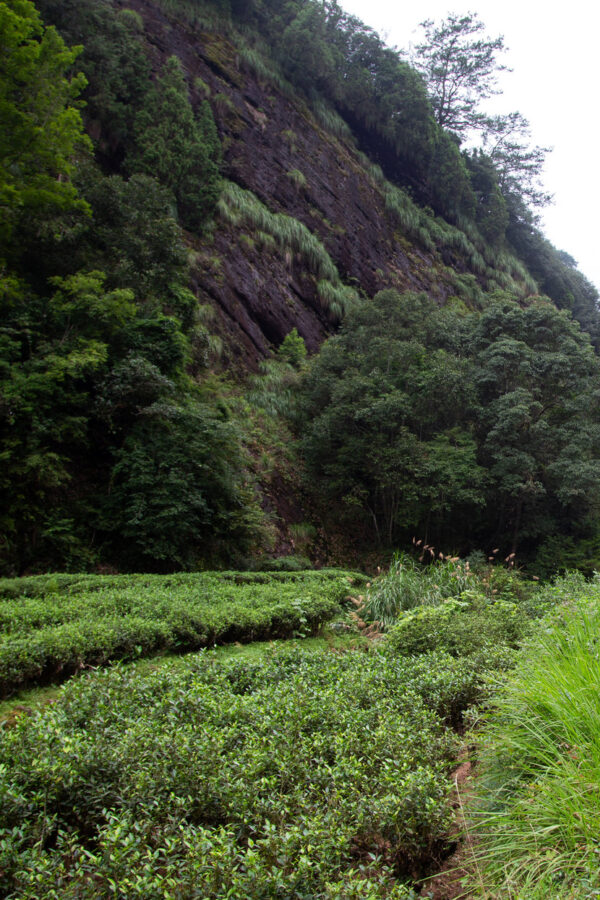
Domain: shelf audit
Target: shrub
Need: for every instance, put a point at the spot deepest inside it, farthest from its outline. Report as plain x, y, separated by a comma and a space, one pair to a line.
297, 178
485, 632
57, 630
245, 778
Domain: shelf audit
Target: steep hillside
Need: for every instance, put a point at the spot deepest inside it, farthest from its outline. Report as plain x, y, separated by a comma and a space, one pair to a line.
223, 189
275, 147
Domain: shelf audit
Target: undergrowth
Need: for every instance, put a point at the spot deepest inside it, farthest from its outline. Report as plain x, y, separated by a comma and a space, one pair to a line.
297, 774
539, 806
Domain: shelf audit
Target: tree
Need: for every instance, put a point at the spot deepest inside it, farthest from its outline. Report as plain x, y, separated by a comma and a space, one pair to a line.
385, 419
41, 130
491, 213
179, 492
539, 425
460, 68
518, 165
177, 148
114, 63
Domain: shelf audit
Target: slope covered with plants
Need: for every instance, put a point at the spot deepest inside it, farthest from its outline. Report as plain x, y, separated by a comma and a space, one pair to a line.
188, 185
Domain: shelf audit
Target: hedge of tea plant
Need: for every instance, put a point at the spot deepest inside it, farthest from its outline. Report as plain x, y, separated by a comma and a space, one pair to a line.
51, 626
295, 775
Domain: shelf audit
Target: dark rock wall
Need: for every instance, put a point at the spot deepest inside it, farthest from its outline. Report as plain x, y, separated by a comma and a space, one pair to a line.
260, 295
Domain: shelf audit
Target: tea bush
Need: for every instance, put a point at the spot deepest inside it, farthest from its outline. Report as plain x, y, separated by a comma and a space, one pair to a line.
296, 774
59, 624
486, 632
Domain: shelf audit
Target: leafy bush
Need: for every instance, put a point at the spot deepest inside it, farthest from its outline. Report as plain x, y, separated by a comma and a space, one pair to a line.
298, 773
487, 633
297, 178
54, 629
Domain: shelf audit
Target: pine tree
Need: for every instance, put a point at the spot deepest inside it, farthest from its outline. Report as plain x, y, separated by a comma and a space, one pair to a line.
179, 149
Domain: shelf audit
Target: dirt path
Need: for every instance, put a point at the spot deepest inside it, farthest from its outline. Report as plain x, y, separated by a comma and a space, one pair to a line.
449, 883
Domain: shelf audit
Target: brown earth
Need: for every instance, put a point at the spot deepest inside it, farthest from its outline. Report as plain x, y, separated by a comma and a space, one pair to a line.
449, 882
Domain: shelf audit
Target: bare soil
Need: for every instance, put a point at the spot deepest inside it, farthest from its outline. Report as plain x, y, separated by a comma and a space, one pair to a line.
456, 872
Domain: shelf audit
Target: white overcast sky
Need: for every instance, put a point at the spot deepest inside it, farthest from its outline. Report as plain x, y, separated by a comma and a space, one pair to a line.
553, 51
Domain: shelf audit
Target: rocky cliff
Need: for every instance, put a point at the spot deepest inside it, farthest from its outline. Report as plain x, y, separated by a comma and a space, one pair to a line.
276, 147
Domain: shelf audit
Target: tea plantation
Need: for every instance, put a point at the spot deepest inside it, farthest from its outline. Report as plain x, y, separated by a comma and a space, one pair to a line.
52, 626
307, 768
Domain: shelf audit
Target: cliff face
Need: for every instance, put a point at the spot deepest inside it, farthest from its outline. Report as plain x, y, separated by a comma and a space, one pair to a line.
274, 147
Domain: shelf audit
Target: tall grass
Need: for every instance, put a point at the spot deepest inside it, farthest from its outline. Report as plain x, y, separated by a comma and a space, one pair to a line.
331, 120
401, 209
239, 207
338, 299
408, 585
251, 60
196, 12
538, 819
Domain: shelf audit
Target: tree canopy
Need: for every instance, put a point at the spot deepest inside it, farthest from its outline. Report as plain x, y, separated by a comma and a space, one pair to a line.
460, 66
463, 429
41, 130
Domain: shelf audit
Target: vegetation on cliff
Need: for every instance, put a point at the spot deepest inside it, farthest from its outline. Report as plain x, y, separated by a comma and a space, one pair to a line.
129, 263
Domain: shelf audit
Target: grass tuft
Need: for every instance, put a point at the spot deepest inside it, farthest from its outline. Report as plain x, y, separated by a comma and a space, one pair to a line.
539, 803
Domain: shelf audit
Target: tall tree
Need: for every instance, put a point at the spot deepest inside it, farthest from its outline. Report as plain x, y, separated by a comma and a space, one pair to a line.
176, 147
518, 164
460, 68
40, 125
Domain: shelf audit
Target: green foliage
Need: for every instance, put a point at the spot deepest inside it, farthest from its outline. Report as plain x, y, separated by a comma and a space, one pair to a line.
535, 826
460, 68
292, 349
536, 372
491, 214
382, 430
485, 632
58, 625
264, 69
134, 237
297, 178
178, 492
41, 130
291, 563
238, 206
559, 553
310, 59
408, 585
421, 418
448, 179
558, 279
114, 62
331, 120
273, 389
338, 299
45, 400
228, 810
178, 148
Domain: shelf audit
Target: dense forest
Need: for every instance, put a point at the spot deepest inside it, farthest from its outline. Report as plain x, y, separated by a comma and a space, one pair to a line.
262, 297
